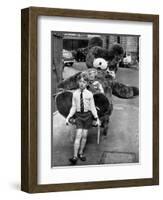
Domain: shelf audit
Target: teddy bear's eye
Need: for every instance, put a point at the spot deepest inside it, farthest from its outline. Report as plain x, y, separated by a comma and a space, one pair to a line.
100, 63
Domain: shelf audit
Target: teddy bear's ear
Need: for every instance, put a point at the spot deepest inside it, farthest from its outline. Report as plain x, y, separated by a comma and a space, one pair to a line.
116, 49
95, 41
100, 63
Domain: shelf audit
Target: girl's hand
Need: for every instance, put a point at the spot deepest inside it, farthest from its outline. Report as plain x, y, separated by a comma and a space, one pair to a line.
98, 123
67, 121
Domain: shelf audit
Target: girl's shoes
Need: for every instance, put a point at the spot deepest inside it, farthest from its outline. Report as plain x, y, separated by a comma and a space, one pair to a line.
73, 160
82, 157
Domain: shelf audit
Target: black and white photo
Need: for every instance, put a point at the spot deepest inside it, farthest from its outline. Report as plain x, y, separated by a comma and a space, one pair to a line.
90, 99
106, 130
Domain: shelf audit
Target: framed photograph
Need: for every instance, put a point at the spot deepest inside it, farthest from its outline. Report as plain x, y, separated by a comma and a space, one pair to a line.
90, 99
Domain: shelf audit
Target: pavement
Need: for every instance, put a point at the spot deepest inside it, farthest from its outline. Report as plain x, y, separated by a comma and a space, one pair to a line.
120, 145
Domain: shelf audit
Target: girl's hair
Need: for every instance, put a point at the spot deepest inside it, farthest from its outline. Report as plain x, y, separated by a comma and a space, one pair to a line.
92, 71
84, 75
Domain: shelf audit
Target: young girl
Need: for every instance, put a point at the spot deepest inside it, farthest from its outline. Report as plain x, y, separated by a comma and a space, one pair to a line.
83, 107
94, 85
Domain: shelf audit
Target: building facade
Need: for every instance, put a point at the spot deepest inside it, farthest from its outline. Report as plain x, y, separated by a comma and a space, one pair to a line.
129, 43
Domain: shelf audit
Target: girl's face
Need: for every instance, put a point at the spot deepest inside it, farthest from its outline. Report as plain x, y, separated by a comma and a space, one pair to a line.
92, 76
82, 84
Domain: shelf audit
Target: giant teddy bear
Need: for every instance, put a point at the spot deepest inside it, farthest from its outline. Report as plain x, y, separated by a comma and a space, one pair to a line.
96, 59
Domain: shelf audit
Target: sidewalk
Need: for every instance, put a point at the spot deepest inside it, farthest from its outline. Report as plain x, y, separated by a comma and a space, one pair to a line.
122, 141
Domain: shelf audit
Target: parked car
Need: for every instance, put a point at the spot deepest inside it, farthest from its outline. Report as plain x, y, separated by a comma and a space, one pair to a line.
126, 61
68, 59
